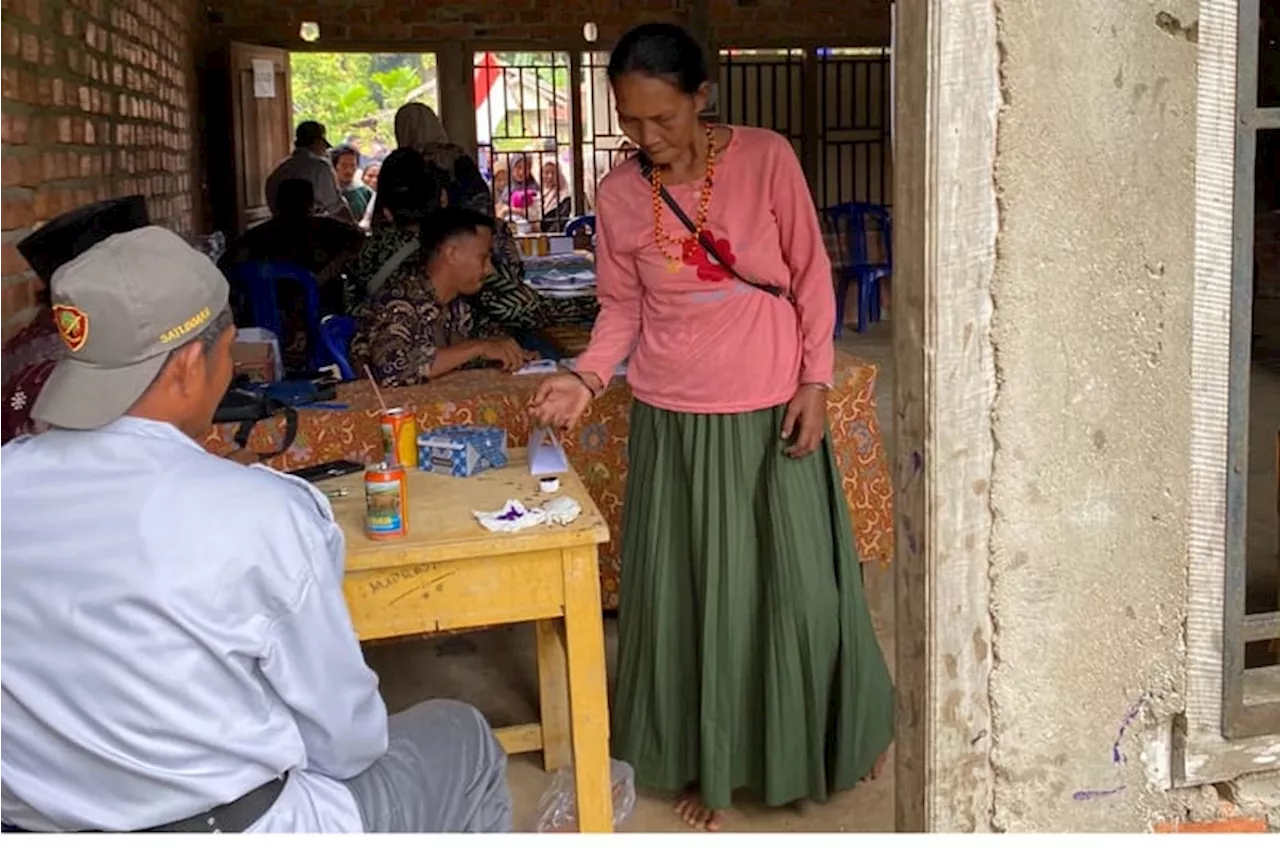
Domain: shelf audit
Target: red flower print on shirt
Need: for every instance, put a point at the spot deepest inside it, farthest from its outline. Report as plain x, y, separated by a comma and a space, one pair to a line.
708, 269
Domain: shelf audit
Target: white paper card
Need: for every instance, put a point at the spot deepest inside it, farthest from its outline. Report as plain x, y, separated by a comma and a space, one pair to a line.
546, 456
534, 368
264, 78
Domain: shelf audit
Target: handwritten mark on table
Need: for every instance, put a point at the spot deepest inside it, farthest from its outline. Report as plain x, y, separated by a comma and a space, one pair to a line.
423, 589
393, 579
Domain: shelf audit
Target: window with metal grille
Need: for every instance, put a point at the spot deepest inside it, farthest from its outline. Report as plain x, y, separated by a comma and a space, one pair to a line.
604, 145
1251, 594
764, 88
530, 120
524, 133
839, 128
854, 103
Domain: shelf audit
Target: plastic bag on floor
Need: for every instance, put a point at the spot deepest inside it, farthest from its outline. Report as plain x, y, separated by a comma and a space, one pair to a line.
558, 808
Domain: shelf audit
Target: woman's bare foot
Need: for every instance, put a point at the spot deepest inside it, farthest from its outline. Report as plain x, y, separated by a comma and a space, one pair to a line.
877, 769
691, 809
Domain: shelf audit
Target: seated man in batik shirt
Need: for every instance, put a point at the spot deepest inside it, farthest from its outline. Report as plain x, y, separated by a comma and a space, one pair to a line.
414, 327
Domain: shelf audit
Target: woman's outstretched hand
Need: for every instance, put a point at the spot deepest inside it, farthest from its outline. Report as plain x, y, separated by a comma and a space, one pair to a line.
805, 422
559, 401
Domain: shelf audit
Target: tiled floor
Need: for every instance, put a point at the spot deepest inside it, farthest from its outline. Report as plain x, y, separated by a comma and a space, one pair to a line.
495, 670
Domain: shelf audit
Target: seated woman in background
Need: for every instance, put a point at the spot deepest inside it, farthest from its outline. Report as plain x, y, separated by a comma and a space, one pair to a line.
28, 358
508, 304
415, 327
410, 190
522, 191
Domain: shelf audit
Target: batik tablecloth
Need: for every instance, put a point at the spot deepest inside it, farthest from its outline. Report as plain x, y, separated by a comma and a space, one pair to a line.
597, 448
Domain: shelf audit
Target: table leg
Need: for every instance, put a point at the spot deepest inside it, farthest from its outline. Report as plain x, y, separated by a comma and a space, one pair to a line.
588, 689
553, 694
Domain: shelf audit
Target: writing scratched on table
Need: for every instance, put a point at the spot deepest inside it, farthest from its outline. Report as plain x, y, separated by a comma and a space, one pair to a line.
424, 588
392, 579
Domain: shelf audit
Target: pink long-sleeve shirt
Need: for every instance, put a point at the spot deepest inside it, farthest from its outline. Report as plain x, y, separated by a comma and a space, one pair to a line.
699, 340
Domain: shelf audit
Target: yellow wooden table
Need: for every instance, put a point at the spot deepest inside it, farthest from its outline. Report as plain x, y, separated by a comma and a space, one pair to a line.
450, 573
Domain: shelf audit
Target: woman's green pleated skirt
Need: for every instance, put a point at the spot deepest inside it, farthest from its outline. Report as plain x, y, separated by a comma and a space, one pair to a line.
746, 654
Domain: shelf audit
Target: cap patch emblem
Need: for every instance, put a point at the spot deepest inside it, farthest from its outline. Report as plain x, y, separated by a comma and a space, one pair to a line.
73, 326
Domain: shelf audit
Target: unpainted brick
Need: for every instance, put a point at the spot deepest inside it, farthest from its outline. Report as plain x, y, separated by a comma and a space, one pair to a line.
95, 106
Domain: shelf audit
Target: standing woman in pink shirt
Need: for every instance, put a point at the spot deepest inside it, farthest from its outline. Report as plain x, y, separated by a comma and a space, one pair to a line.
746, 655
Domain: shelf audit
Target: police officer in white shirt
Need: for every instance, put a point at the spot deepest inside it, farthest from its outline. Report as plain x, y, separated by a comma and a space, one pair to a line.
177, 654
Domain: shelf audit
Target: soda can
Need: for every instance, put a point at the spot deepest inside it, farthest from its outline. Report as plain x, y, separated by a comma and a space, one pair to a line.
399, 438
386, 502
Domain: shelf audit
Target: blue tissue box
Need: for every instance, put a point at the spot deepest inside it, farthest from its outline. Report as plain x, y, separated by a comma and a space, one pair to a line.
462, 450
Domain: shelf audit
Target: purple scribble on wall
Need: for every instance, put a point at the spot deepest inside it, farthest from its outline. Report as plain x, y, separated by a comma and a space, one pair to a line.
1090, 795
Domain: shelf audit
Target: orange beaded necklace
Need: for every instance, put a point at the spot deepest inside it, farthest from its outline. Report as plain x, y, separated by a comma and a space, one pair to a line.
660, 235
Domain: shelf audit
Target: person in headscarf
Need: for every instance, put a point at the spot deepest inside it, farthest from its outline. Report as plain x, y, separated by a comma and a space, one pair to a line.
522, 192
418, 127
370, 175
370, 179
501, 178
557, 198
625, 152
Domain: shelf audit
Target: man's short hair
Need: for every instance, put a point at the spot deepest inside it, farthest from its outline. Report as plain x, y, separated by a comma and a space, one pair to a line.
447, 223
295, 197
342, 151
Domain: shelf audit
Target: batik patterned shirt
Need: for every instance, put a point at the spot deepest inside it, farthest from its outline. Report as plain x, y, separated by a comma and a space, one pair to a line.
400, 328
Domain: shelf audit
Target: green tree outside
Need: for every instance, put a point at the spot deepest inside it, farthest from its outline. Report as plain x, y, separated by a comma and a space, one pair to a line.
356, 95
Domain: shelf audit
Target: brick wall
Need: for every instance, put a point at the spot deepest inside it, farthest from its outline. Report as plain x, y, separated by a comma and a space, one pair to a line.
97, 103
377, 23
783, 23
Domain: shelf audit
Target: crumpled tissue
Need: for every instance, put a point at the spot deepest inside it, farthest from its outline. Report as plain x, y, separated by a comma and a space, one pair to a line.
562, 510
515, 516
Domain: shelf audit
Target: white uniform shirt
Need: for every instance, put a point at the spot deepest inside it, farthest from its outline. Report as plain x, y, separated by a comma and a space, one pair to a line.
316, 170
174, 635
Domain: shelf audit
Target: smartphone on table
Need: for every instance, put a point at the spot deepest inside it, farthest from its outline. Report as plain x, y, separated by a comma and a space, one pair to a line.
329, 470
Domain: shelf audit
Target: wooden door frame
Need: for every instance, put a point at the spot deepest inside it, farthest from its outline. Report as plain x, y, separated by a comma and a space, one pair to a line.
947, 98
235, 50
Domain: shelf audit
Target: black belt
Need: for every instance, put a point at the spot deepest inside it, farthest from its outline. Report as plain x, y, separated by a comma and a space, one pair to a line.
232, 818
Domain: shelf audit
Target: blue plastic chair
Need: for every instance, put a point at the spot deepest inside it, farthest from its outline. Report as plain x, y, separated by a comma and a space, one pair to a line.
581, 225
261, 283
336, 331
851, 219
